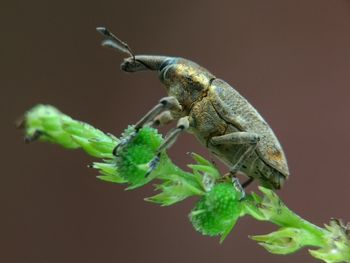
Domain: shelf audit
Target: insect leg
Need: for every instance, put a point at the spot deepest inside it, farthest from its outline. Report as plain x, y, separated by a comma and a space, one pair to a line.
247, 182
172, 136
247, 138
169, 140
238, 186
165, 104
162, 119
236, 138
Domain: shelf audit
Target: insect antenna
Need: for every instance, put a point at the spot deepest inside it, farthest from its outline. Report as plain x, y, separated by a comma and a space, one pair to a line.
114, 42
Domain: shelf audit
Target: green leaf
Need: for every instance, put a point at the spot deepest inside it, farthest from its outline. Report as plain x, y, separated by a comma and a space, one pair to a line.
211, 171
112, 179
252, 206
175, 189
201, 160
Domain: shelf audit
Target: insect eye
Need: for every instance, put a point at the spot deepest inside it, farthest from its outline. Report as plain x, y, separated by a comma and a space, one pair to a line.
166, 63
166, 74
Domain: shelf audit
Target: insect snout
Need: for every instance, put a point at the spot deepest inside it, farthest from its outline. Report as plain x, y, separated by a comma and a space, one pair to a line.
143, 62
132, 65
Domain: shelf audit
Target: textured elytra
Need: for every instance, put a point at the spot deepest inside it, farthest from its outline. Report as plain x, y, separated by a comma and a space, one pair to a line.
236, 110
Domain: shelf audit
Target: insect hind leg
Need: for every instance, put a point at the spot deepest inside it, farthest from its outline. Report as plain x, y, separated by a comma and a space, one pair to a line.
243, 138
247, 182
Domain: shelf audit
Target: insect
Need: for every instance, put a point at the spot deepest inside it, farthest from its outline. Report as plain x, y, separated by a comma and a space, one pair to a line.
213, 111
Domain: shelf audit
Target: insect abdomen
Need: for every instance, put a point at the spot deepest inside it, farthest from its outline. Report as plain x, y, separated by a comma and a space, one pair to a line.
236, 110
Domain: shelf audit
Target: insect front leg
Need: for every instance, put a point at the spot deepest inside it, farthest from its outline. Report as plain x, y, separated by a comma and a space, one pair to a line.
165, 104
243, 138
154, 116
162, 119
169, 140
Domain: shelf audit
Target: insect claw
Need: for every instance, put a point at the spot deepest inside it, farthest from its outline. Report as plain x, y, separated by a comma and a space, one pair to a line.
124, 142
239, 187
115, 150
153, 164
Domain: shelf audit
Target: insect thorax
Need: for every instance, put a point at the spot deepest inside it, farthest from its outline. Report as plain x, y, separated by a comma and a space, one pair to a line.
185, 80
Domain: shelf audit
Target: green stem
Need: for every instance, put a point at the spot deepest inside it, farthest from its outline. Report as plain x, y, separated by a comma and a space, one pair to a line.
219, 206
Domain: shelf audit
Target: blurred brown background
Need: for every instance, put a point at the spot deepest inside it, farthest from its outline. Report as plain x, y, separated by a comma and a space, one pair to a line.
291, 59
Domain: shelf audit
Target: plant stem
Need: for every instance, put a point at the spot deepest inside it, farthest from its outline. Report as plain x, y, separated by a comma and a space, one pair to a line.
210, 215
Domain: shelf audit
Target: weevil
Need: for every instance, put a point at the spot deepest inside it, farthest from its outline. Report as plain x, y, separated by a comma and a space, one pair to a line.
213, 111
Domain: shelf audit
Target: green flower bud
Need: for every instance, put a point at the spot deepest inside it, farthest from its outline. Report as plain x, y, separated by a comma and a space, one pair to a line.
337, 248
140, 149
217, 211
284, 241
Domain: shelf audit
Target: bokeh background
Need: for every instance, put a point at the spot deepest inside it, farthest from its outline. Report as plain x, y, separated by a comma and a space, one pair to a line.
291, 59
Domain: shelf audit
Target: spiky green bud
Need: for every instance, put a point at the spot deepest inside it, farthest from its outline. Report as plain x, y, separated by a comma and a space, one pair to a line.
140, 150
217, 211
219, 206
